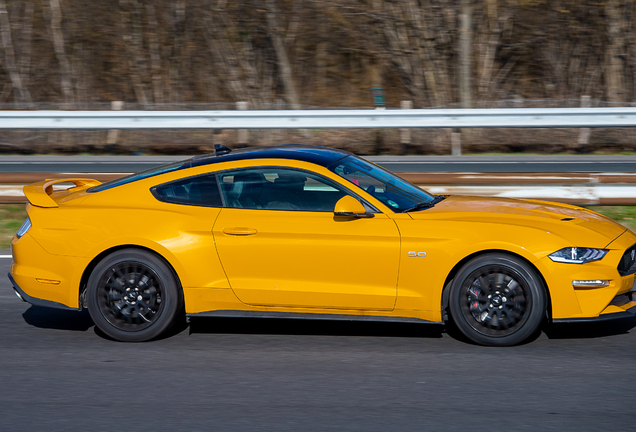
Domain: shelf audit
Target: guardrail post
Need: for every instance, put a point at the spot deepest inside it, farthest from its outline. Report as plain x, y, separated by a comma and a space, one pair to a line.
584, 133
242, 133
113, 134
456, 143
405, 133
379, 135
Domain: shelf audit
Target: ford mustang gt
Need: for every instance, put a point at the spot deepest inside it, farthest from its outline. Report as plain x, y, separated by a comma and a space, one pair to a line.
313, 232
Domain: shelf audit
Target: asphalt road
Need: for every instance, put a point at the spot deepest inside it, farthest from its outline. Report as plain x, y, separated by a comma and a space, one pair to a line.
513, 163
57, 373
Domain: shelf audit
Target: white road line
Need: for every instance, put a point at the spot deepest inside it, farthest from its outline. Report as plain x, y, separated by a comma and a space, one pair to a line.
5, 256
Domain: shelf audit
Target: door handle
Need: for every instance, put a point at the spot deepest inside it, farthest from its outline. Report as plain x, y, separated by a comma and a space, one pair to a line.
239, 231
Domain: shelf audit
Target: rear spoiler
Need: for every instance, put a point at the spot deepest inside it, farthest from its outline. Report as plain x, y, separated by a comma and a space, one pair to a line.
39, 194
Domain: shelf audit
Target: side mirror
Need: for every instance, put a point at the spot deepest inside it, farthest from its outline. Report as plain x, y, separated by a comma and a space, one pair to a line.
348, 206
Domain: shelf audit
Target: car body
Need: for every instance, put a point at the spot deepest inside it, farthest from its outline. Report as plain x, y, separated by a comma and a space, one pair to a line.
313, 232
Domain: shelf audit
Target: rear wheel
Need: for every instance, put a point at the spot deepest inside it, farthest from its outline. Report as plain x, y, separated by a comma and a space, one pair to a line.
497, 300
133, 296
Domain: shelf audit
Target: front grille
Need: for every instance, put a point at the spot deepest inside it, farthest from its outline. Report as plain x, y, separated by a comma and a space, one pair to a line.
627, 265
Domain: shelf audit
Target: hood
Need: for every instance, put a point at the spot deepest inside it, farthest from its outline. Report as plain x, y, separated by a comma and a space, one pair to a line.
521, 212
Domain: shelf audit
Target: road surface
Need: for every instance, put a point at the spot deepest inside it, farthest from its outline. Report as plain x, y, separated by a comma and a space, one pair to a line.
58, 374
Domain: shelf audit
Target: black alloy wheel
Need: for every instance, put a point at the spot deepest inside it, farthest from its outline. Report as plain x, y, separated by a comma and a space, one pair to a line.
133, 295
497, 300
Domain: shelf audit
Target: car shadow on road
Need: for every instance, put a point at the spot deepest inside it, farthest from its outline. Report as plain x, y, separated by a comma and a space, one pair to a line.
81, 321
58, 319
588, 330
277, 326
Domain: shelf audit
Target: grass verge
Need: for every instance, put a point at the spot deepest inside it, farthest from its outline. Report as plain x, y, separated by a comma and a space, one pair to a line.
624, 215
11, 217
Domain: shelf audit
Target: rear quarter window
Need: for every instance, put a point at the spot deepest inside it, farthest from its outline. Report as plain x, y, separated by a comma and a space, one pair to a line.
196, 191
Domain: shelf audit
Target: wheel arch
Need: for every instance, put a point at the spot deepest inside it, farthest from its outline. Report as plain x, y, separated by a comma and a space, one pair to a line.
451, 275
93, 263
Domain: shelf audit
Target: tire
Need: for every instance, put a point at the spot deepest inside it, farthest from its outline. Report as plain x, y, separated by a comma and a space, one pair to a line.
497, 300
133, 296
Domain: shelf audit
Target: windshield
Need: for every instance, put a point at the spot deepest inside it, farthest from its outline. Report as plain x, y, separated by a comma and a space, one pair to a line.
394, 191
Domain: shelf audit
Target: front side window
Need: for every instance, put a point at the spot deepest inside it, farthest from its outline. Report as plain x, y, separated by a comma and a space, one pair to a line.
279, 189
393, 191
198, 191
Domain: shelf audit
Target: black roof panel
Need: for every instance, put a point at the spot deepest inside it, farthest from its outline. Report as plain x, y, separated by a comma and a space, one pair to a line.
324, 156
318, 155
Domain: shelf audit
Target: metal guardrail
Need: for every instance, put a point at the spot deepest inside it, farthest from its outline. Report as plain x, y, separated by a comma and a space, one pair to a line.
323, 119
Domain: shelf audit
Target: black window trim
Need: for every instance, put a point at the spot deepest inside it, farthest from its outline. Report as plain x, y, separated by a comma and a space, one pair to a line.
154, 192
153, 189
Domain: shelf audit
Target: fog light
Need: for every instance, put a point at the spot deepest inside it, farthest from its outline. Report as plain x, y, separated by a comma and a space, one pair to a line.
590, 283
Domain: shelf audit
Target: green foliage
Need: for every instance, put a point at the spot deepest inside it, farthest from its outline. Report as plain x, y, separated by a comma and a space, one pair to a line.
624, 215
11, 217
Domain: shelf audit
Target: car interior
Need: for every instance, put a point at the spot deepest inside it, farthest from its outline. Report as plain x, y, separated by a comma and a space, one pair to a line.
279, 190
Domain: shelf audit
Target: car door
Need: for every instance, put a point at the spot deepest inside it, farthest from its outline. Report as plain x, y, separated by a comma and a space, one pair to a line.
281, 245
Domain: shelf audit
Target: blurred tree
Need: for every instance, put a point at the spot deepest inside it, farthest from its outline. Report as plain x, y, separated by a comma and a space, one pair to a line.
316, 52
16, 38
465, 53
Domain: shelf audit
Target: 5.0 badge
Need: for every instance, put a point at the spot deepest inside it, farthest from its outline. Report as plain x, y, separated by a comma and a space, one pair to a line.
417, 254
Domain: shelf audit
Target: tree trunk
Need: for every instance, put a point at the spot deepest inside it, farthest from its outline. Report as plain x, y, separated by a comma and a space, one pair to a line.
613, 63
25, 45
59, 46
465, 53
225, 57
176, 54
490, 49
133, 40
155, 55
283, 62
22, 94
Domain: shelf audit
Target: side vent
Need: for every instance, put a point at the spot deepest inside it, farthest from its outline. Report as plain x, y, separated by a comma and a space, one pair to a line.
627, 264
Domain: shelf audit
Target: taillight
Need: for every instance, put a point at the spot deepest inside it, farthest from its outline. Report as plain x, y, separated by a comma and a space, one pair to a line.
24, 228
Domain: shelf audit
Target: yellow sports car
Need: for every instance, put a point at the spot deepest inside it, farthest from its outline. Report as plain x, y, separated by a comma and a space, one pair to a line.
313, 232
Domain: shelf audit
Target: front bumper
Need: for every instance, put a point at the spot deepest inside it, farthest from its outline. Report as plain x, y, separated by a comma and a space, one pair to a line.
622, 306
571, 302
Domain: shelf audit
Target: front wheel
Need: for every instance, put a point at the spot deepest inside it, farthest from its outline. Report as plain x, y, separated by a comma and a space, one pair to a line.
497, 300
133, 296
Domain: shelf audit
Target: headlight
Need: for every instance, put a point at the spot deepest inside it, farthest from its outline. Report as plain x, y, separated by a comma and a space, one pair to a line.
24, 228
578, 255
